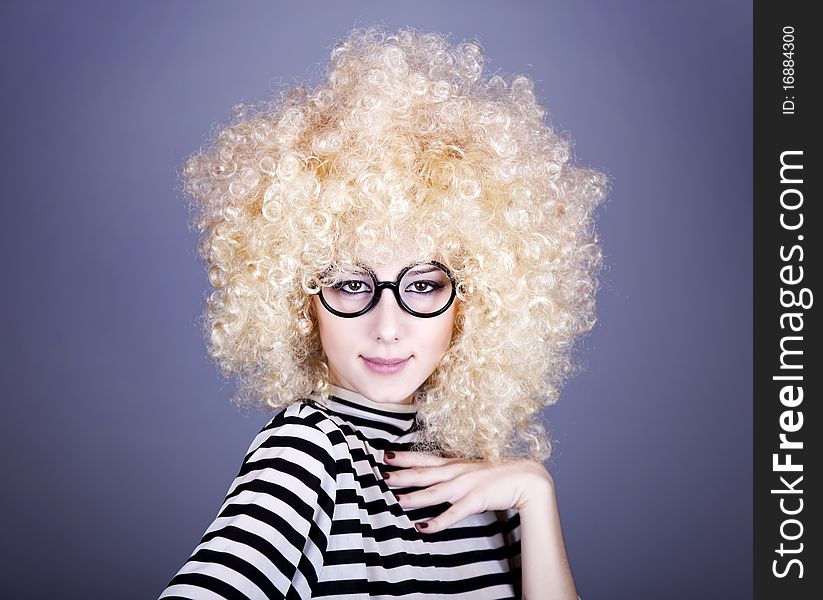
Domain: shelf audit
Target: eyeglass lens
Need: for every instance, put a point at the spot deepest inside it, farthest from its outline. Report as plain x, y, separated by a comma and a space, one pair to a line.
424, 289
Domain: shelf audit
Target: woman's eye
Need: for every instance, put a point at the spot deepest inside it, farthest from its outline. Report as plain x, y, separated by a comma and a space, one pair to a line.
353, 286
423, 287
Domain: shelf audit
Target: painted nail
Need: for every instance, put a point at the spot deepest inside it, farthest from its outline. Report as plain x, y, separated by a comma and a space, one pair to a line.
389, 454
422, 525
385, 474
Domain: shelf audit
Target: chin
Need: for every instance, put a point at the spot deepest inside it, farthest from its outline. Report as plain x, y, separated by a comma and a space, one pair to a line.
394, 395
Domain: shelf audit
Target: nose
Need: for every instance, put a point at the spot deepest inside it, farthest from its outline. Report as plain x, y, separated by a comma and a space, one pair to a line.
387, 316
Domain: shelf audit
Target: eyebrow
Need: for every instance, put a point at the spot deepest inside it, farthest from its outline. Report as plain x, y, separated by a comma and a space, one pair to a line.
423, 269
420, 269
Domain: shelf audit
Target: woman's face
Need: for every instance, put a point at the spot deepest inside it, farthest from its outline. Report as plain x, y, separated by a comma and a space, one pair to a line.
386, 332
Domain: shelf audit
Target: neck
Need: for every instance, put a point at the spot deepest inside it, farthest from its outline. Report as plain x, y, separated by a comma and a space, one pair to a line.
352, 396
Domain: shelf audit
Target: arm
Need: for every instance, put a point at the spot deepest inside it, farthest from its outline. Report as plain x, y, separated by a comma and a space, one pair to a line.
270, 536
544, 565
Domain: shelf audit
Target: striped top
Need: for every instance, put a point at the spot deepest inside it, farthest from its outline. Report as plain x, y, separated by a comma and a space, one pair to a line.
309, 516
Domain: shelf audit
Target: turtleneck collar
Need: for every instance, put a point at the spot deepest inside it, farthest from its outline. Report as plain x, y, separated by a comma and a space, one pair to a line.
389, 421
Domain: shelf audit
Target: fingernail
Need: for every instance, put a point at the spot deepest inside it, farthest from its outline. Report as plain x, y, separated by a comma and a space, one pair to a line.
385, 474
422, 525
389, 454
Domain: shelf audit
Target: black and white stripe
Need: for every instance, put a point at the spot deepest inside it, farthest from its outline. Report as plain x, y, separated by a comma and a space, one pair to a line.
309, 516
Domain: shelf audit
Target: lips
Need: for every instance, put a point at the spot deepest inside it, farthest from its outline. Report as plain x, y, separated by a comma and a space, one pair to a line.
385, 361
384, 366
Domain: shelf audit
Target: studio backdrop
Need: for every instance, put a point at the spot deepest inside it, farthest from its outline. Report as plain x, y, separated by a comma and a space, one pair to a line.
119, 440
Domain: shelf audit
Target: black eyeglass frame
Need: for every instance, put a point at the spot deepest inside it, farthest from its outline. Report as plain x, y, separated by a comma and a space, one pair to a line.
394, 286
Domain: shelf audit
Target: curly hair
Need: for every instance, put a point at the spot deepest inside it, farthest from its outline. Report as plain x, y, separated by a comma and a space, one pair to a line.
403, 143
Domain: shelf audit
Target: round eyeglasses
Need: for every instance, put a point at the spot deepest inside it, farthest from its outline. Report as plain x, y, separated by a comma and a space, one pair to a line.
421, 289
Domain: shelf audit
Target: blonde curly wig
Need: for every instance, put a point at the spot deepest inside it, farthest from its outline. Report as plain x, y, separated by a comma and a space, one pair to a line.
403, 145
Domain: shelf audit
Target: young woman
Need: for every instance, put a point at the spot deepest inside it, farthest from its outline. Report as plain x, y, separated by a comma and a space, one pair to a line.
403, 256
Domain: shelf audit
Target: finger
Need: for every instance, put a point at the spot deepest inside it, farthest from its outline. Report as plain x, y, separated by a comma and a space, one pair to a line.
426, 476
465, 507
448, 491
414, 459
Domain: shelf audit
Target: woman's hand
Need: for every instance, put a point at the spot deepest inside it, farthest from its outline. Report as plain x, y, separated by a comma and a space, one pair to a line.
471, 486
477, 486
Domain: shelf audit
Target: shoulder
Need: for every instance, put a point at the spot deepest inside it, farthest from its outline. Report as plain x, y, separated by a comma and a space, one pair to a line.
301, 429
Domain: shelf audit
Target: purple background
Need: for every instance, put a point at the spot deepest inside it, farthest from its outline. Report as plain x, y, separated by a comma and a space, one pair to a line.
118, 441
